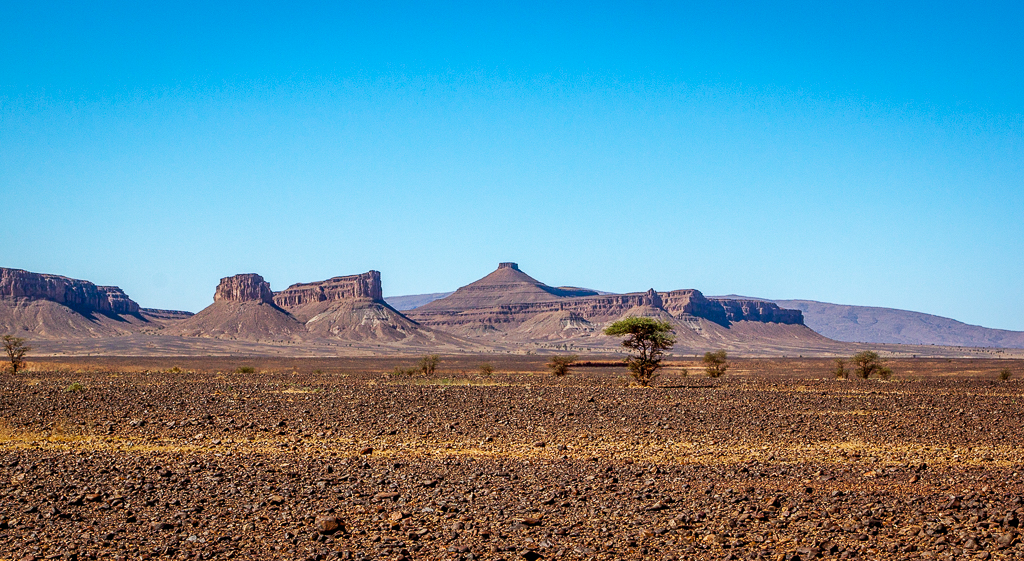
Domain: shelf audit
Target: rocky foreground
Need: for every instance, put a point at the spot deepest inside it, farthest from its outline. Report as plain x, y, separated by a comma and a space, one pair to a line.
770, 462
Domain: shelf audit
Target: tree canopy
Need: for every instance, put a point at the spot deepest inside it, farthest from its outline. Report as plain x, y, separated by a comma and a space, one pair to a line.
647, 339
715, 364
868, 363
16, 350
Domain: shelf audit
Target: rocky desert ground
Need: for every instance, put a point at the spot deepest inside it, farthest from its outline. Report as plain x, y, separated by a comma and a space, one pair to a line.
308, 459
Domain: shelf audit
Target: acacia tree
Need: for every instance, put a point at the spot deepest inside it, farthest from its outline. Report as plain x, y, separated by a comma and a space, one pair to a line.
868, 363
16, 350
715, 363
647, 338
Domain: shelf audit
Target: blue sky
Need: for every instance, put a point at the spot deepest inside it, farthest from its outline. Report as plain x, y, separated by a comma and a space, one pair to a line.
858, 153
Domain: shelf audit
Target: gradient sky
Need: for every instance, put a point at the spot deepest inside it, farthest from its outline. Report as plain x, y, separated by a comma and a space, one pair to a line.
864, 153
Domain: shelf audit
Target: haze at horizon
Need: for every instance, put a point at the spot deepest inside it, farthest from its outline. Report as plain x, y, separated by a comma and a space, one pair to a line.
853, 153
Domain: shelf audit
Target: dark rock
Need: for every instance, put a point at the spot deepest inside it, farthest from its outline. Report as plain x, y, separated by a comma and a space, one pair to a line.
328, 525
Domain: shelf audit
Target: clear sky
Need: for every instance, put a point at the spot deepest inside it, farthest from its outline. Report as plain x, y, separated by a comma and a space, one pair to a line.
864, 153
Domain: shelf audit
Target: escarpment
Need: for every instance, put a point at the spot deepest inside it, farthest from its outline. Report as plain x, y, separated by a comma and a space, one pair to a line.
346, 308
507, 310
80, 295
44, 306
509, 296
511, 305
308, 299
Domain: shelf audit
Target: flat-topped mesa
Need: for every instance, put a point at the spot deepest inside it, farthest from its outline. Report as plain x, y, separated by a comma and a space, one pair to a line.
81, 295
247, 287
509, 265
759, 310
351, 287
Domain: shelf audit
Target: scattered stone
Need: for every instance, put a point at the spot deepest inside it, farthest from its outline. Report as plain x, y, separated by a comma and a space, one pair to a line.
328, 525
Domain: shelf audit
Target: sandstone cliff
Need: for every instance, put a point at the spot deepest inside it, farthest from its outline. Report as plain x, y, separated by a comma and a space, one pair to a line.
308, 299
81, 295
243, 308
508, 297
247, 287
510, 305
352, 309
348, 308
758, 310
43, 306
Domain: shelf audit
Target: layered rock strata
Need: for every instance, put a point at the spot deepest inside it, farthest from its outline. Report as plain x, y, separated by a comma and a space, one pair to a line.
486, 302
508, 298
42, 306
247, 287
349, 308
364, 286
243, 308
81, 295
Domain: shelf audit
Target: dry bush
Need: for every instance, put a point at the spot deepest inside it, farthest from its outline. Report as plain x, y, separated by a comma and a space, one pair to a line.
559, 365
715, 364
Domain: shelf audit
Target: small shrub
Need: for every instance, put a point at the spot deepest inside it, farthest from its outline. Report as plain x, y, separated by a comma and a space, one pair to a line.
1005, 374
885, 372
245, 370
559, 365
486, 369
318, 372
715, 363
175, 370
74, 387
400, 372
428, 364
840, 371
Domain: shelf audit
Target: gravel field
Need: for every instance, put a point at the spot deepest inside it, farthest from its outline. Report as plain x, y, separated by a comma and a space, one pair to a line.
310, 459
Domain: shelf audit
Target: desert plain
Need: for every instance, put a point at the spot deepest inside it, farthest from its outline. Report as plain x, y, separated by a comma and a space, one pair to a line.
339, 458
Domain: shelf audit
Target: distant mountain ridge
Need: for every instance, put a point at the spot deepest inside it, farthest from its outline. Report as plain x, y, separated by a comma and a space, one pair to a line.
852, 324
413, 301
509, 307
505, 310
868, 324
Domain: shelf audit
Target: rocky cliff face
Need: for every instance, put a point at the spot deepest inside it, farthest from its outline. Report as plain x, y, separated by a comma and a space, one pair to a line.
352, 287
349, 308
247, 287
759, 310
81, 295
507, 298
